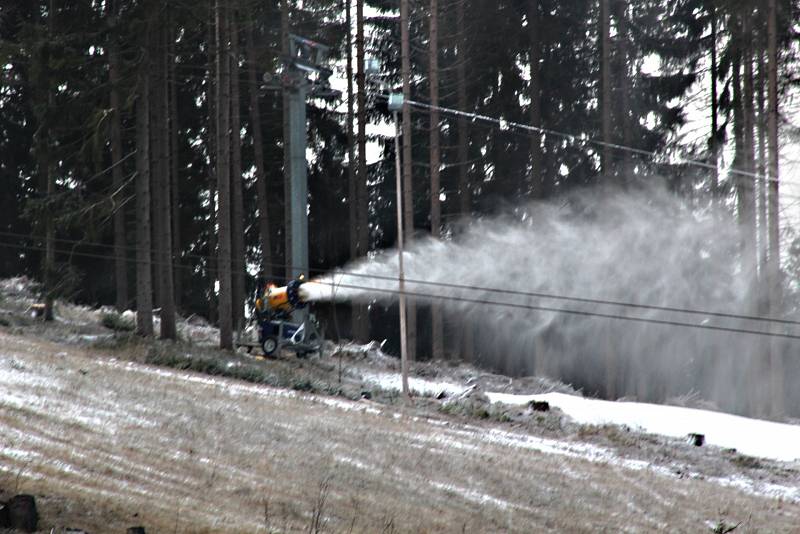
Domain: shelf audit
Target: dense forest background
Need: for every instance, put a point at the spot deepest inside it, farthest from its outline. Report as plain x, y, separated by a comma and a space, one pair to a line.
142, 158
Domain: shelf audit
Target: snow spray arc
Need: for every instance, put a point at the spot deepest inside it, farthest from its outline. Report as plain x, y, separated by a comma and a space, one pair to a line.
645, 247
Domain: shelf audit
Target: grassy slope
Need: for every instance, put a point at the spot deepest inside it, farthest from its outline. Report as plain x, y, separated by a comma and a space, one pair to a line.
113, 443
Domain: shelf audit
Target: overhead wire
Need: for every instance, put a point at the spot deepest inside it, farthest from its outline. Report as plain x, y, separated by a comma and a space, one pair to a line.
504, 291
485, 302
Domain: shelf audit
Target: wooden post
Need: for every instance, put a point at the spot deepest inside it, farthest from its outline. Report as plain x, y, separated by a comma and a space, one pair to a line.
400, 273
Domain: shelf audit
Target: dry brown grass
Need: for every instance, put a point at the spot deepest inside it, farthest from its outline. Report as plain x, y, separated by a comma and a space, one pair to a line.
195, 454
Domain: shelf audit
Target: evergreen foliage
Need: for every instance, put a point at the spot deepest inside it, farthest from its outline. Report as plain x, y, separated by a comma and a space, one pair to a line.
55, 119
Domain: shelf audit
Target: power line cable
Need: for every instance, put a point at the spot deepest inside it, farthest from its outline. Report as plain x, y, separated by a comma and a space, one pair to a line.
530, 294
505, 124
513, 305
578, 312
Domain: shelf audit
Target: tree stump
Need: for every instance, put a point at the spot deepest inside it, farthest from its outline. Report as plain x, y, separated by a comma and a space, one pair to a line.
697, 439
540, 406
22, 513
4, 522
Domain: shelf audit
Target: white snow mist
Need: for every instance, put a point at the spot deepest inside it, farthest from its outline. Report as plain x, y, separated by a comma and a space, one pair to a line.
639, 248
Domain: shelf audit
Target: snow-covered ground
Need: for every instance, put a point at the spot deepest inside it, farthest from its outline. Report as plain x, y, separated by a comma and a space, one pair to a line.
753, 437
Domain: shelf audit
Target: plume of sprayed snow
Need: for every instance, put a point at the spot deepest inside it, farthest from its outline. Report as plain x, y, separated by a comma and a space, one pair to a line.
645, 248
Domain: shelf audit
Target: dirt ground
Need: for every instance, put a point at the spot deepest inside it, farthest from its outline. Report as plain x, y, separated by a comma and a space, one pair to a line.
106, 443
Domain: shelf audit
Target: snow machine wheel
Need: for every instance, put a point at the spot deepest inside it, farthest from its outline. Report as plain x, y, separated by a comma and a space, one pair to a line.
269, 345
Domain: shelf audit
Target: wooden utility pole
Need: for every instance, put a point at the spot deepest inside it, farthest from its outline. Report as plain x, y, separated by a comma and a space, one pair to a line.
437, 334
400, 268
258, 156
605, 84
223, 177
773, 259
408, 183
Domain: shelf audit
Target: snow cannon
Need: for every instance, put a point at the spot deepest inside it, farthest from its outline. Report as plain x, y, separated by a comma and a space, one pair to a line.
276, 331
286, 299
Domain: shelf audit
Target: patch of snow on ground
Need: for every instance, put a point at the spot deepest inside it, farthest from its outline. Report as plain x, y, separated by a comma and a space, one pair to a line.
753, 437
757, 487
474, 496
419, 386
597, 454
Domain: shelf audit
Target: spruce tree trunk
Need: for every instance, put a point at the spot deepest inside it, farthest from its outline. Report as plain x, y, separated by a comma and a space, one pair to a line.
748, 122
713, 141
623, 120
437, 346
144, 281
161, 185
44, 145
155, 159
762, 183
237, 200
738, 132
464, 191
177, 271
258, 154
741, 66
287, 179
352, 189
115, 102
211, 98
605, 85
360, 311
773, 259
224, 177
408, 184
606, 109
538, 182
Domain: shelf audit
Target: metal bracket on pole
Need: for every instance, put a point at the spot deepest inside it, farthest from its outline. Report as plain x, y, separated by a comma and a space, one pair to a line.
395, 103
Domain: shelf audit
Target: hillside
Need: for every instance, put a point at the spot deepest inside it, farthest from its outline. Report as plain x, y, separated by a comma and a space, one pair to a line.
107, 441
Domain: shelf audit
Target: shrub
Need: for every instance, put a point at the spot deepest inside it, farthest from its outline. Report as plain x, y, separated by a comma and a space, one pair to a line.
116, 322
747, 462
